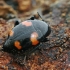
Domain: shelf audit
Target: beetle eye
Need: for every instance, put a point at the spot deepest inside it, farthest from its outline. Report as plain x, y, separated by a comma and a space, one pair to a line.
32, 18
16, 23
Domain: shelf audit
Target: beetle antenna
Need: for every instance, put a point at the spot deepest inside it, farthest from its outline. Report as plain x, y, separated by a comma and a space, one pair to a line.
40, 16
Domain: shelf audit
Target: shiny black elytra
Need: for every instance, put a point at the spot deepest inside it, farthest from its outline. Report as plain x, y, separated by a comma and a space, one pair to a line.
27, 34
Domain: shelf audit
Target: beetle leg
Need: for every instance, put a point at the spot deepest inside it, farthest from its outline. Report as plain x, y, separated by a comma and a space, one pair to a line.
32, 50
24, 61
25, 64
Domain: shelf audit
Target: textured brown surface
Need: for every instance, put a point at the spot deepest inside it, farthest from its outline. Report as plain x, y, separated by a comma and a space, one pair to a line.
5, 9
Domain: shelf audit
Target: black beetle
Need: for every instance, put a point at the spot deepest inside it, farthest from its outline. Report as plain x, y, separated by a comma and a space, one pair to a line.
27, 34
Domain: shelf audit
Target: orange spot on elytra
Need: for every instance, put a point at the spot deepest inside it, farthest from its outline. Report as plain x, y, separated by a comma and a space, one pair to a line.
11, 33
33, 38
26, 23
17, 45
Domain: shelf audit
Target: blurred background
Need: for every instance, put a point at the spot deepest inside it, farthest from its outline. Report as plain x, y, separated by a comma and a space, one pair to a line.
26, 8
52, 11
